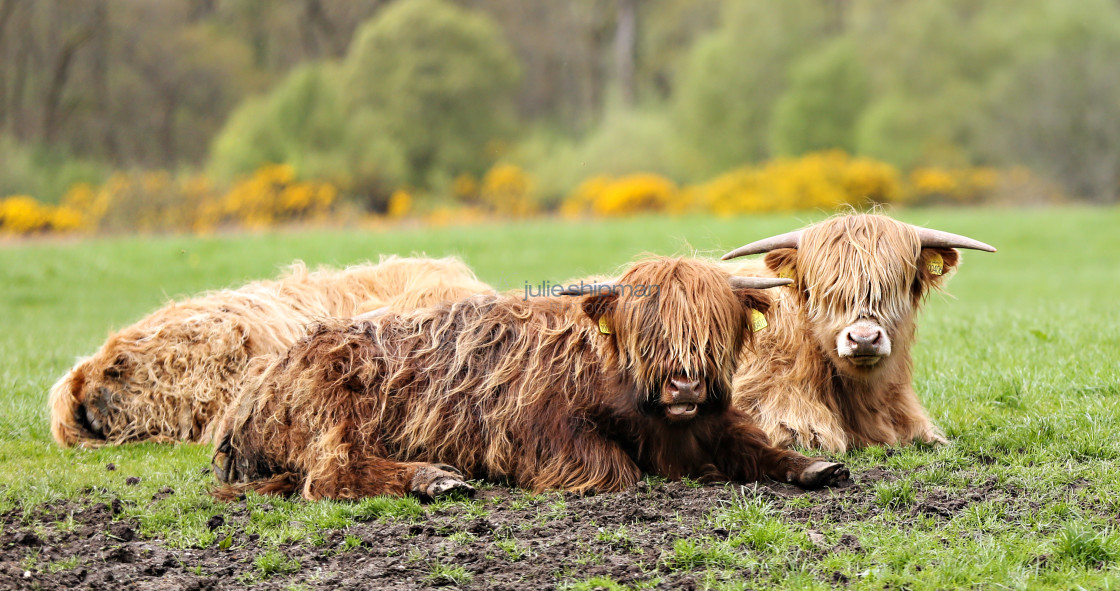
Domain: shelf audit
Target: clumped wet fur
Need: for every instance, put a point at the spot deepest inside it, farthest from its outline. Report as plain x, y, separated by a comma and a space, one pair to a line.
795, 384
547, 393
169, 376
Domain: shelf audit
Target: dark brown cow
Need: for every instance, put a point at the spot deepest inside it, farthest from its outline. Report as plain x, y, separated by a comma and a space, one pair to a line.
545, 393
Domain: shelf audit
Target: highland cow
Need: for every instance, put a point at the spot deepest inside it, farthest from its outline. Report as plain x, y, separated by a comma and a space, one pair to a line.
834, 369
546, 393
169, 376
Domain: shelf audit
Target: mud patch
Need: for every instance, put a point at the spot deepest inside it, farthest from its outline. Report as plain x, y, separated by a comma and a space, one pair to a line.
506, 539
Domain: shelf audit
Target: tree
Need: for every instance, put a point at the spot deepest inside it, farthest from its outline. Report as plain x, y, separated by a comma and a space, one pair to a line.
437, 82
828, 91
734, 76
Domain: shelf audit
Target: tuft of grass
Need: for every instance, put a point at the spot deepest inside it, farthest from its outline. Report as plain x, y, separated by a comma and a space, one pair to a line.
513, 549
895, 495
274, 562
443, 574
1084, 546
599, 583
702, 553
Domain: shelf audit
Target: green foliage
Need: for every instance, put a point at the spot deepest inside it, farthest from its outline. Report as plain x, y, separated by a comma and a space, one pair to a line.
828, 90
626, 141
1059, 114
734, 76
435, 82
43, 173
300, 122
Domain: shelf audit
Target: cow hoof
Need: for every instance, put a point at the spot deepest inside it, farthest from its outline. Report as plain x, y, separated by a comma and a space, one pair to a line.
822, 473
438, 480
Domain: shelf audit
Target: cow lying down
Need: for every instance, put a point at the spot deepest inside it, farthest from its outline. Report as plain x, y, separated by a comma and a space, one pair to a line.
573, 393
169, 376
833, 370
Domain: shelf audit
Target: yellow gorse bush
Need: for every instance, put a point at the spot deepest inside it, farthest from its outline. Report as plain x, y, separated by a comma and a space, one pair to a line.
272, 195
507, 190
607, 196
827, 180
821, 180
960, 185
23, 214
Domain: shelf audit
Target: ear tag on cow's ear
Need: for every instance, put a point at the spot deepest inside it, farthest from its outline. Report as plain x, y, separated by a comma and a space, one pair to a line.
758, 321
787, 273
936, 264
604, 326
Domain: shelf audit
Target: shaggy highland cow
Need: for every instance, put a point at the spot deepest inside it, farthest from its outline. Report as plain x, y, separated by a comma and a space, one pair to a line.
542, 393
169, 376
834, 370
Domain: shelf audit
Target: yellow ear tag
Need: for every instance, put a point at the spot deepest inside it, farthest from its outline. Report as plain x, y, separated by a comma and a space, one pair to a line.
936, 264
604, 326
758, 321
786, 273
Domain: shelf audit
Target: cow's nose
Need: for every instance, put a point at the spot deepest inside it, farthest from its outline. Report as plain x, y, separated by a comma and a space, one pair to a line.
683, 389
866, 337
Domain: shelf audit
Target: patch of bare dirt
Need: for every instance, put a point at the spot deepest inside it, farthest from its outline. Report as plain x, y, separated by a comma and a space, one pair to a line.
518, 543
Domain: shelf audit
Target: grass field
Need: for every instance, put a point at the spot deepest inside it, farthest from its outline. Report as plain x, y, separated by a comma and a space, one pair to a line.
1020, 366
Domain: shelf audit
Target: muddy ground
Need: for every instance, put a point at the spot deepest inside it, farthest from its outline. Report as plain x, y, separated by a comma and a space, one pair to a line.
518, 542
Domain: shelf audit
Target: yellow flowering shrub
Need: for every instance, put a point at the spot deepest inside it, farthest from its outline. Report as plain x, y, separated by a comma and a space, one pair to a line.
821, 180
272, 194
23, 214
400, 203
929, 185
507, 190
635, 193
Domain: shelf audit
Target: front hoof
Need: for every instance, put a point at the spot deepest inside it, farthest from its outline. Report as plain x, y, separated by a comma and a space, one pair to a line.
822, 473
438, 480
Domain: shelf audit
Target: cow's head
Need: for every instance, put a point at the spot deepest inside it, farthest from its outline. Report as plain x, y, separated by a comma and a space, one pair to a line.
85, 403
676, 326
861, 279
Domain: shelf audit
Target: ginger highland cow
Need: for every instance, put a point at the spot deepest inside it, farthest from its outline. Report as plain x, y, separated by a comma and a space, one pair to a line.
834, 369
169, 376
571, 393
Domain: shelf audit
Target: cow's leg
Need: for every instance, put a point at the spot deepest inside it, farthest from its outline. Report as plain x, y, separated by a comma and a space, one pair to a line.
912, 420
790, 415
341, 466
586, 461
744, 453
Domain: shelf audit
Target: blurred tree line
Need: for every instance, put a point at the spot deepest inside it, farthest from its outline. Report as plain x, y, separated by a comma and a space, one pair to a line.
374, 94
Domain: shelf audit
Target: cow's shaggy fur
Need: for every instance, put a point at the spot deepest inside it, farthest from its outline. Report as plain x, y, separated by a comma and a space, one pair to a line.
850, 270
546, 393
167, 377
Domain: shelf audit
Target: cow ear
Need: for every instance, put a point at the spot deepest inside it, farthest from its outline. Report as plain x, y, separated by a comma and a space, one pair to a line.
599, 306
934, 265
754, 299
782, 260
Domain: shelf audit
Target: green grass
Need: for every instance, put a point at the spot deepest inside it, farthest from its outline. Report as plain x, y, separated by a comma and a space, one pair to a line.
1020, 366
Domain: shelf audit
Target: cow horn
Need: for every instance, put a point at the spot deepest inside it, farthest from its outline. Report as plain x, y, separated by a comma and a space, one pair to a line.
582, 288
757, 282
938, 239
787, 240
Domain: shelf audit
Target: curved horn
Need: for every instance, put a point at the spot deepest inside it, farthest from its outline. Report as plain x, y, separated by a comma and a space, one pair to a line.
582, 288
757, 282
938, 239
787, 240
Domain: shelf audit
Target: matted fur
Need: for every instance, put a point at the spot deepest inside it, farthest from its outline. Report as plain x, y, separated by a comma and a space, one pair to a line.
167, 377
794, 384
529, 392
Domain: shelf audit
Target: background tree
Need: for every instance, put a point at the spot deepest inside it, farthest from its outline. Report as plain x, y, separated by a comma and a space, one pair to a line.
436, 82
